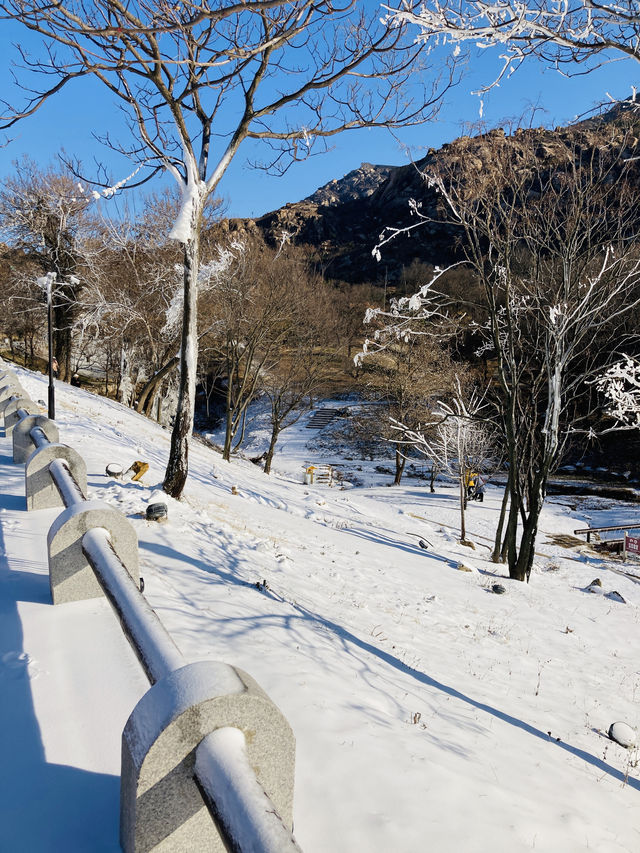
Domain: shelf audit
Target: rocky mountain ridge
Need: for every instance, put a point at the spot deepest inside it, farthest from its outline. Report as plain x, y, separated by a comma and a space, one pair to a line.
343, 220
359, 183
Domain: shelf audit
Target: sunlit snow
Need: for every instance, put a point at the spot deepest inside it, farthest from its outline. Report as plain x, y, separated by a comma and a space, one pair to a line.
429, 712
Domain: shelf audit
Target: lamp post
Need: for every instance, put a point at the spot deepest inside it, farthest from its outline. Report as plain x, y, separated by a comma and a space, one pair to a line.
52, 392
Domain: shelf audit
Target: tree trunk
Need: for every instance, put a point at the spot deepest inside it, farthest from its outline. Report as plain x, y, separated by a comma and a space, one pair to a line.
243, 429
62, 319
178, 465
463, 502
153, 383
497, 555
228, 432
275, 432
511, 535
401, 461
530, 529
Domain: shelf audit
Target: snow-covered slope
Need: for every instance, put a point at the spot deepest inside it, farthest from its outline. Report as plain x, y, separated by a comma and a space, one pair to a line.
430, 713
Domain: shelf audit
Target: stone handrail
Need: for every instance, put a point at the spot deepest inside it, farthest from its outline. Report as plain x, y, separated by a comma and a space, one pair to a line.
188, 780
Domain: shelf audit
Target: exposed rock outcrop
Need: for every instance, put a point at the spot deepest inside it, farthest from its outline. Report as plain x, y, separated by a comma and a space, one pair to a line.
343, 220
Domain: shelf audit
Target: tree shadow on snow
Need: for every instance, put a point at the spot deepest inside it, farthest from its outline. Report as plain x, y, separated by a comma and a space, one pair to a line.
349, 639
383, 539
224, 576
433, 683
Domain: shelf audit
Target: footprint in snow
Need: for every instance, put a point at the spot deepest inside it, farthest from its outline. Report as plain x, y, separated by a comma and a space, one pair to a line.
17, 665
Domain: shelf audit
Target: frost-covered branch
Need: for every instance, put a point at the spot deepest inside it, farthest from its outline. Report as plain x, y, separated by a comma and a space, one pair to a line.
559, 30
620, 386
425, 313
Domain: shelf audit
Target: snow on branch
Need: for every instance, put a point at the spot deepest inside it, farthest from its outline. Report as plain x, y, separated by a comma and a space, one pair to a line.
109, 192
620, 386
576, 29
457, 435
426, 307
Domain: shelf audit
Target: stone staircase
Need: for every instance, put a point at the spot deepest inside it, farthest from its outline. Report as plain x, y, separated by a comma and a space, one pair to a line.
320, 418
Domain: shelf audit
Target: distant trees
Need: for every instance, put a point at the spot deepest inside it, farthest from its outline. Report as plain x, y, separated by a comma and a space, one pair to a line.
306, 359
267, 316
404, 379
196, 81
124, 304
45, 215
268, 324
22, 308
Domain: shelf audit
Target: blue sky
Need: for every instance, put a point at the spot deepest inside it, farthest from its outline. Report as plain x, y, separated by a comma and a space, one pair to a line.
83, 108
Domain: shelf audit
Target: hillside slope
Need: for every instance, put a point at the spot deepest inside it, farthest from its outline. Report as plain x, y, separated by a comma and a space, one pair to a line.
429, 712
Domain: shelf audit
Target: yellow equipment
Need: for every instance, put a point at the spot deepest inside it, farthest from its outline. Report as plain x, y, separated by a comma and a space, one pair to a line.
139, 469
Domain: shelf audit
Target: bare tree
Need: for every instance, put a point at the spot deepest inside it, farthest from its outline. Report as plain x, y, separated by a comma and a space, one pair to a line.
123, 307
305, 360
553, 242
132, 298
459, 439
44, 213
261, 308
22, 307
197, 80
403, 380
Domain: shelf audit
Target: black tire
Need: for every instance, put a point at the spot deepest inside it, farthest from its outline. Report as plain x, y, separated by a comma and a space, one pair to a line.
156, 511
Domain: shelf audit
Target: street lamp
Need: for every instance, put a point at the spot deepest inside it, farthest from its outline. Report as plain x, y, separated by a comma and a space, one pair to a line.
48, 282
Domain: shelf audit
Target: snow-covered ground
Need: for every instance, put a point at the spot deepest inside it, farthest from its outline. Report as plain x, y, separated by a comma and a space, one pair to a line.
430, 713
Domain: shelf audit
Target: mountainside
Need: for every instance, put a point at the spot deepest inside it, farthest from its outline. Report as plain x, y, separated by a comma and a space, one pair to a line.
344, 219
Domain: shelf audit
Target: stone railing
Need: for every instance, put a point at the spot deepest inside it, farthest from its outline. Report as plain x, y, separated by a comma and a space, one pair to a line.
207, 758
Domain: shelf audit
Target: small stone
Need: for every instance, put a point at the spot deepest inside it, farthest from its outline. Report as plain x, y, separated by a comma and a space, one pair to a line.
595, 582
623, 734
498, 589
465, 567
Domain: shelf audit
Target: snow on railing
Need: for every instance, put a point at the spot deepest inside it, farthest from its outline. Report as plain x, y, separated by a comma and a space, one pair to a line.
188, 778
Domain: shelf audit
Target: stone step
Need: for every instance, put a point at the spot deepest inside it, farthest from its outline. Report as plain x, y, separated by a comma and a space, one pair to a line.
321, 418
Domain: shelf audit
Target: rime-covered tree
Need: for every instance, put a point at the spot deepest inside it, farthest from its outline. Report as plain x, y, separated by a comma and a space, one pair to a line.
563, 32
551, 238
45, 214
458, 439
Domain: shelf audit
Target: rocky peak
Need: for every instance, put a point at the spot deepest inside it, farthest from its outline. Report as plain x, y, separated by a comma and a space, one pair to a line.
344, 219
359, 183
